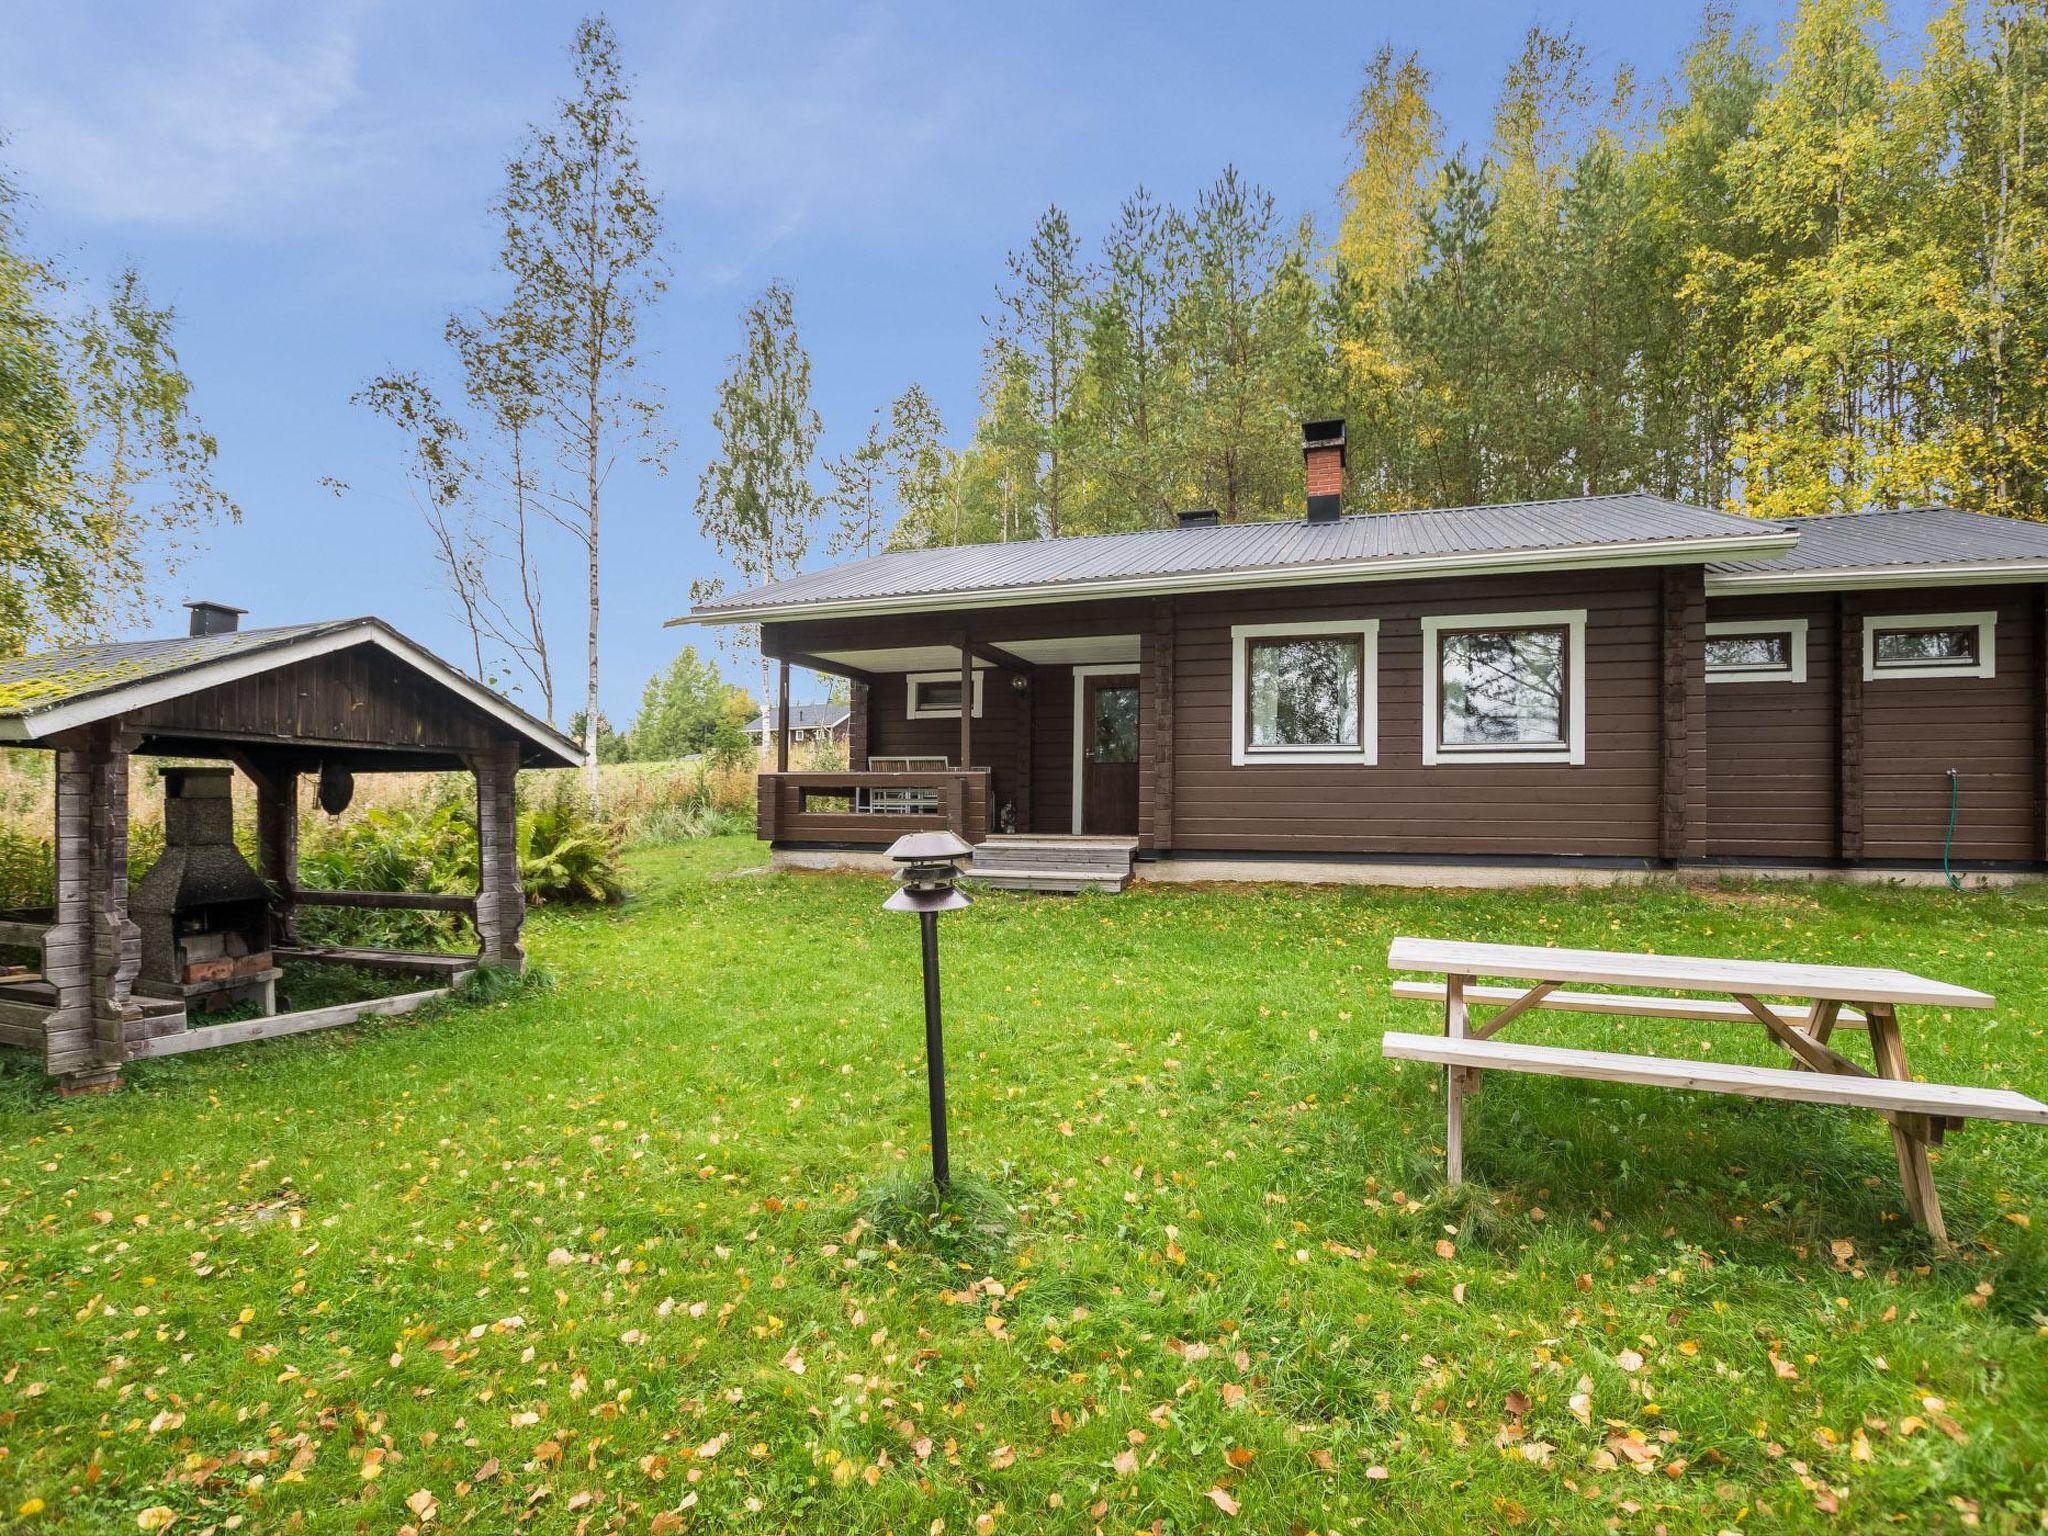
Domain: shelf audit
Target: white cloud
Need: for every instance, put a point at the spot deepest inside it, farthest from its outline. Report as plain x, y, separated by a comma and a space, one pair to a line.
227, 113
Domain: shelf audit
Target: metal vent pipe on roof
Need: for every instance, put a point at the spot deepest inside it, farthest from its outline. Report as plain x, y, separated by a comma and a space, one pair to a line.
1201, 517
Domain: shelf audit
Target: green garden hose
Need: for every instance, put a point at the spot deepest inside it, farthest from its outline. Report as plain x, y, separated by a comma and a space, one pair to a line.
1955, 801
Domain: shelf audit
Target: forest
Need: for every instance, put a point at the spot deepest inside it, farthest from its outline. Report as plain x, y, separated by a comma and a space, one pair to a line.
1796, 275
1798, 271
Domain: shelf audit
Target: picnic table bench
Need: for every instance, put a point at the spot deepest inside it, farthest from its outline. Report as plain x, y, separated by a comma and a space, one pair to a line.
1826, 998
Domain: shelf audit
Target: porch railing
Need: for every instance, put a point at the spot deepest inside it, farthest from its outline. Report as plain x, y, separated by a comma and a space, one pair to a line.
873, 809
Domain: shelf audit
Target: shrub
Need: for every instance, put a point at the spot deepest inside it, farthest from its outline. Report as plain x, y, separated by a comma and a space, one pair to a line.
27, 872
568, 854
565, 854
405, 832
28, 862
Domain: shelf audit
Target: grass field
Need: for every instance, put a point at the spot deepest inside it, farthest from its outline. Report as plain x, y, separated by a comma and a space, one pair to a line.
647, 1251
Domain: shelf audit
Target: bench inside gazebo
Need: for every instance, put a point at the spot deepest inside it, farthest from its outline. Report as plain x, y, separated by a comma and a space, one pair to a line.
122, 975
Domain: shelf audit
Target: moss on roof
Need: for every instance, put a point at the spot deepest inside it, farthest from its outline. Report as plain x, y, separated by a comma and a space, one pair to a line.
44, 679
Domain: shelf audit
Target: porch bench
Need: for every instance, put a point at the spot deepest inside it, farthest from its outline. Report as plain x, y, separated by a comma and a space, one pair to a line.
1704, 1010
1934, 1102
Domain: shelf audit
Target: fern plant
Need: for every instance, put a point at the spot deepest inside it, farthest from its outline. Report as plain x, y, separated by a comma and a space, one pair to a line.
568, 853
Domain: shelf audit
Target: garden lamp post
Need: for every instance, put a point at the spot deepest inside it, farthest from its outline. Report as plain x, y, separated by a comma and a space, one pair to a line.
928, 864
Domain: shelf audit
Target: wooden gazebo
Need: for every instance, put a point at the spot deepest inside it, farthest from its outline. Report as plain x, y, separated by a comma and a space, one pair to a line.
330, 699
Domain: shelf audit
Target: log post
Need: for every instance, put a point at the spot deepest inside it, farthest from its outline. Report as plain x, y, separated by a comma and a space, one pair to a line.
1024, 693
500, 903
782, 717
857, 727
1683, 709
1156, 721
966, 703
277, 844
1849, 730
93, 952
2041, 724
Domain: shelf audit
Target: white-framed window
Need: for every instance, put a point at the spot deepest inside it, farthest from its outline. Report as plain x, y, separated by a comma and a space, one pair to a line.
936, 695
1305, 692
1930, 645
1756, 651
1504, 687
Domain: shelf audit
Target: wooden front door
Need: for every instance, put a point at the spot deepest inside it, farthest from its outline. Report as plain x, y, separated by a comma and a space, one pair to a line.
1109, 755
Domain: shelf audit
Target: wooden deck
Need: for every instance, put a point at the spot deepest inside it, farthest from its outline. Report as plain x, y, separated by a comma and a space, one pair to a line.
866, 809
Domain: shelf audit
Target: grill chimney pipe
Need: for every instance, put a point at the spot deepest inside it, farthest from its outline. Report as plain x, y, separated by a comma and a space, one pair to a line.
1322, 457
214, 618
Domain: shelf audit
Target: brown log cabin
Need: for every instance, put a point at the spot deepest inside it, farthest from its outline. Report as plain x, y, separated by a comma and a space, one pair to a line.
1606, 682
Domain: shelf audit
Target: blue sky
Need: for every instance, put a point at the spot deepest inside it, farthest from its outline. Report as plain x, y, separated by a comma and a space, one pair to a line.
309, 185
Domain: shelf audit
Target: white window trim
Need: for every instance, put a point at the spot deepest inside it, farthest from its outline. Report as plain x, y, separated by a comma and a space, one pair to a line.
1986, 664
1571, 751
1130, 669
1796, 628
914, 711
1366, 753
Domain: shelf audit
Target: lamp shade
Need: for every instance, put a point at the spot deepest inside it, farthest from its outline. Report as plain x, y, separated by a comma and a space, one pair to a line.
928, 868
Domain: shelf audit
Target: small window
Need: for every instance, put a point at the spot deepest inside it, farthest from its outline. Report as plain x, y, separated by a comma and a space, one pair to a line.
1767, 652
1757, 651
1929, 645
1504, 688
936, 695
1305, 692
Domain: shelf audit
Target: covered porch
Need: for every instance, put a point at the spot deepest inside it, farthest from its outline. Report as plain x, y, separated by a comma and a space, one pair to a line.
1029, 729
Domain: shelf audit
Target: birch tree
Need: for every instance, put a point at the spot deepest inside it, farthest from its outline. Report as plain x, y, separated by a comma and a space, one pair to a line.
106, 475
755, 500
583, 245
860, 492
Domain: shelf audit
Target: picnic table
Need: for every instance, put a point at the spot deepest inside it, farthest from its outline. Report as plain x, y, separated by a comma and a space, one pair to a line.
1822, 1000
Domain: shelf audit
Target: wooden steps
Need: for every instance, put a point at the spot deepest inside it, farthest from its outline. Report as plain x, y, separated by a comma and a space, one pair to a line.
1052, 863
1942, 1101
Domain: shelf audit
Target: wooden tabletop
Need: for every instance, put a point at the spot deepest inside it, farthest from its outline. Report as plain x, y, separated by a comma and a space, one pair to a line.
1685, 973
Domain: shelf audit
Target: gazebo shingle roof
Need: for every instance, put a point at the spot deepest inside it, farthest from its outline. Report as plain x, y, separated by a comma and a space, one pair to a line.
52, 690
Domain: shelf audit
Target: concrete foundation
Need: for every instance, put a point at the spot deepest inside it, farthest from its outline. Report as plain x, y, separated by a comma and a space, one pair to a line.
1426, 876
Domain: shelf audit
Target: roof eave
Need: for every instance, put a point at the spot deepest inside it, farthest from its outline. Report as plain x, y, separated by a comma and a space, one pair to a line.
1876, 577
1328, 573
39, 724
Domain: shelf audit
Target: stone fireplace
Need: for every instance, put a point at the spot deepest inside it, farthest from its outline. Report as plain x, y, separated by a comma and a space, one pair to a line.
204, 914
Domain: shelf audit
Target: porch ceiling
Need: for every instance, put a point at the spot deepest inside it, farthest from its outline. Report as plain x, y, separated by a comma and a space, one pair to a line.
1060, 651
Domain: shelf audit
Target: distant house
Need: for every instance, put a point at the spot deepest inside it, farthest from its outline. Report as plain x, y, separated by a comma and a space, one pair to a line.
808, 723
1617, 680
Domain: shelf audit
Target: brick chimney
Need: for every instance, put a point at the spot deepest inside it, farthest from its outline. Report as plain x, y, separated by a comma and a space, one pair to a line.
1322, 455
214, 618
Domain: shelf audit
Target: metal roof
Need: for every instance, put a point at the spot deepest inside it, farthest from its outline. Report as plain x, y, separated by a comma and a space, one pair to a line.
1632, 528
57, 689
804, 717
1901, 544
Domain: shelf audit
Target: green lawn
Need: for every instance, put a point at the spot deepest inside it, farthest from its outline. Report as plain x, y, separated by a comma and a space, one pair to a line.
644, 1252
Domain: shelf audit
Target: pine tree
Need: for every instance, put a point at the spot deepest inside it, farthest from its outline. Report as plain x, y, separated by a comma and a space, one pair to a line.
1126, 439
1042, 334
